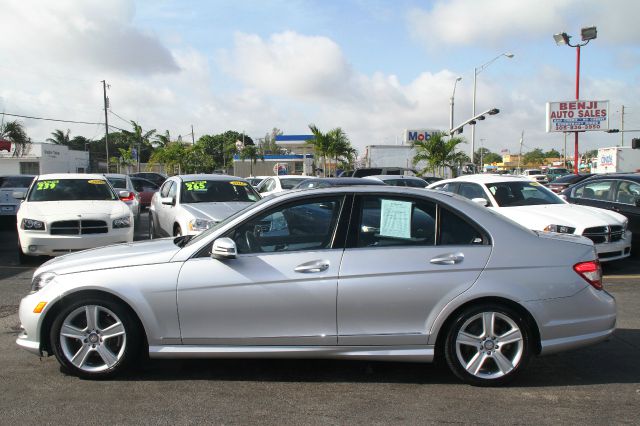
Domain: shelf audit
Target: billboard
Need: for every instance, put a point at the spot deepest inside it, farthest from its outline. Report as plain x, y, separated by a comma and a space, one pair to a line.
577, 116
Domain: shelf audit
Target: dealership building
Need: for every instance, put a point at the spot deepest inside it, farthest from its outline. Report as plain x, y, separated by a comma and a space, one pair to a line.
41, 158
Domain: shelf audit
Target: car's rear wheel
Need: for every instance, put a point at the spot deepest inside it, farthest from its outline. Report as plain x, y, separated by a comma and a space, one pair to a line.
95, 338
488, 345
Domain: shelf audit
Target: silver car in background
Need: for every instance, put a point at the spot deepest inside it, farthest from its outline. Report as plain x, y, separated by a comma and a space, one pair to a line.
377, 273
8, 185
122, 183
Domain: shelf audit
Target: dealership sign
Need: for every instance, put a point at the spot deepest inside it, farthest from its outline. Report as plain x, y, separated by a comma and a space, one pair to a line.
577, 116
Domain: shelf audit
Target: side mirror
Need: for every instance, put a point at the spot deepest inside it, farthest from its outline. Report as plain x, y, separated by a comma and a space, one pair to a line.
224, 248
167, 200
124, 194
482, 201
19, 195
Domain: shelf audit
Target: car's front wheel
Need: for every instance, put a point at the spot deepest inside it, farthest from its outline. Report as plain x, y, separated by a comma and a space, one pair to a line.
488, 345
152, 227
95, 338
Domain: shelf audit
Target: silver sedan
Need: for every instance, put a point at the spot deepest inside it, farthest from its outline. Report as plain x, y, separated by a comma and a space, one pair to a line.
379, 273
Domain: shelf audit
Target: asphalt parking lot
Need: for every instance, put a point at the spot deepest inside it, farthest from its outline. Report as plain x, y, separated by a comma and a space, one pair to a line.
595, 385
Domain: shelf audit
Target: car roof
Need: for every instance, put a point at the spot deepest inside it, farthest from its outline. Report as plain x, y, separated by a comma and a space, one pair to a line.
71, 176
631, 176
204, 176
345, 181
483, 178
115, 175
293, 177
389, 177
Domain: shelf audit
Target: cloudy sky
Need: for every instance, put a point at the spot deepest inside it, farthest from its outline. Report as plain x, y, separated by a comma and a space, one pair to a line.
372, 67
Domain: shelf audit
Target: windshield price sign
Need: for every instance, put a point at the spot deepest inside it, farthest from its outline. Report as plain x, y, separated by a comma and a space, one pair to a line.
577, 116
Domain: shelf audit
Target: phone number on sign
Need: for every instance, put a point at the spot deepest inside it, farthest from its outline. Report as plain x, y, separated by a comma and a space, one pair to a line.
580, 127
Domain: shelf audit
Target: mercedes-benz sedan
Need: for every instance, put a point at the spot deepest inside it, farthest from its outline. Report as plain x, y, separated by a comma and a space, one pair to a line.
378, 273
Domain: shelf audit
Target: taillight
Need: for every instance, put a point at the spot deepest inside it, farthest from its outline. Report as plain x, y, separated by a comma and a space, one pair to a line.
591, 272
129, 198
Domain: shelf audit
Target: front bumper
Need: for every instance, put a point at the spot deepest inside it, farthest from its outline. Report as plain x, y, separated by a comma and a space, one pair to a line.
40, 243
29, 338
615, 250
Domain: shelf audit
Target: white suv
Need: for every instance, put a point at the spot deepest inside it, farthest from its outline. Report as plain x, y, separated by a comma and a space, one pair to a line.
69, 212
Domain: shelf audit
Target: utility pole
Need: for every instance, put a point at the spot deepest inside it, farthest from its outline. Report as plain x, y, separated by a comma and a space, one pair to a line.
106, 120
193, 138
622, 127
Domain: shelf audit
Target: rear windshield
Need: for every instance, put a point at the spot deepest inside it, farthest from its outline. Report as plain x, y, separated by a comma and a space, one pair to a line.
15, 181
70, 190
118, 182
211, 191
289, 183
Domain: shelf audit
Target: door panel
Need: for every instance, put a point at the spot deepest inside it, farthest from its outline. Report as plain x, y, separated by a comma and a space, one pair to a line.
260, 299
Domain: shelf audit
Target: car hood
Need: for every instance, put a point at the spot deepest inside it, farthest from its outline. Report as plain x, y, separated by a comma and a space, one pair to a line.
215, 211
579, 217
113, 256
56, 209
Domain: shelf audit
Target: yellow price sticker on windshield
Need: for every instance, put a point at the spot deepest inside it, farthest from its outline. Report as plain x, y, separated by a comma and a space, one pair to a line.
238, 183
96, 182
46, 184
198, 185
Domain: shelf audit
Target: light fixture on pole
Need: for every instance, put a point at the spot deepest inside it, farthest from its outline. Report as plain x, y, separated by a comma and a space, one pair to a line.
588, 34
477, 71
453, 94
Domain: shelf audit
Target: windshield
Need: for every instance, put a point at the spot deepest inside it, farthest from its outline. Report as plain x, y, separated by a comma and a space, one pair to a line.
118, 182
212, 191
522, 193
219, 225
15, 181
71, 190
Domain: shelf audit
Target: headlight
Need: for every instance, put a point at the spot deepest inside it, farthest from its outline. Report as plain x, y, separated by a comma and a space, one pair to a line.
32, 225
122, 222
563, 229
200, 224
41, 280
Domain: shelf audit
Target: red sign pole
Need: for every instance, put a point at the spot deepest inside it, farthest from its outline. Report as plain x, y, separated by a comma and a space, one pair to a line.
575, 153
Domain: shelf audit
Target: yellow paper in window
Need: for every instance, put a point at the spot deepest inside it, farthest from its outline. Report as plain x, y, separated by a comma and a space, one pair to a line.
395, 219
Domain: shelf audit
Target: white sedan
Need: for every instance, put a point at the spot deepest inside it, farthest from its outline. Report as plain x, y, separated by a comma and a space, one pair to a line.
534, 206
190, 204
68, 212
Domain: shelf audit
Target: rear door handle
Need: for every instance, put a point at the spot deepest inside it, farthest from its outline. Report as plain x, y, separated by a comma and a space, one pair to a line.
448, 259
313, 266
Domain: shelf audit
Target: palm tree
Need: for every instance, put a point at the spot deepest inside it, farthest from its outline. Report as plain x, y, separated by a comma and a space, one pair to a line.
14, 131
139, 138
340, 147
251, 152
163, 140
439, 151
320, 143
60, 137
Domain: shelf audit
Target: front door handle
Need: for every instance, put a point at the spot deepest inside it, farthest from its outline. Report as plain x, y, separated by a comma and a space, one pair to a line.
313, 266
448, 259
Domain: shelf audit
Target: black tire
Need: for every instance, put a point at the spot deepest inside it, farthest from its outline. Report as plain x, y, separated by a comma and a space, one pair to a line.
121, 349
152, 227
23, 259
177, 231
490, 368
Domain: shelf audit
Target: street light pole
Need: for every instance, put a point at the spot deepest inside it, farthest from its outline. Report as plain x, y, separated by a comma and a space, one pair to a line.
476, 71
453, 94
588, 34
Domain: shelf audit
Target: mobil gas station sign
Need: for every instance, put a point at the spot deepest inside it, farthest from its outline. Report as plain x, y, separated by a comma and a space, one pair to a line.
417, 135
577, 116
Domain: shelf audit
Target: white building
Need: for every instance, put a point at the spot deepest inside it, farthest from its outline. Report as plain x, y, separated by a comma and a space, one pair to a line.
41, 158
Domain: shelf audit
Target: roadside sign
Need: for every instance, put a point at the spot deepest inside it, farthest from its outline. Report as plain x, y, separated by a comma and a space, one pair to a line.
577, 116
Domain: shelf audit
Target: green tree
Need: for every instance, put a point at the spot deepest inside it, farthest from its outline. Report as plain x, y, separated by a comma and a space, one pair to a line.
320, 143
163, 140
268, 144
552, 153
252, 153
486, 156
534, 158
438, 152
140, 140
340, 148
14, 131
60, 137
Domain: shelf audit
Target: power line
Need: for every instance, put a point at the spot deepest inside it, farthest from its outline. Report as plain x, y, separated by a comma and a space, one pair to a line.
48, 119
123, 119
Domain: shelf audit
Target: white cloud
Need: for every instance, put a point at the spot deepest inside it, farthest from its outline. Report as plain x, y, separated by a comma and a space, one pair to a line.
503, 22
